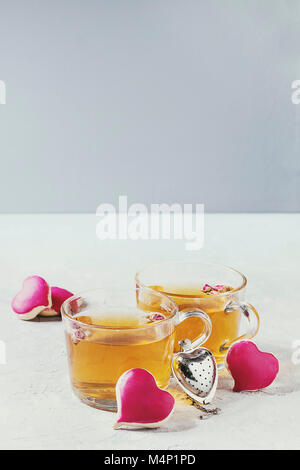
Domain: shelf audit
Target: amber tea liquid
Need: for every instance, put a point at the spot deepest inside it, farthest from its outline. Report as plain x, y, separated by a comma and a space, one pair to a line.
99, 356
225, 326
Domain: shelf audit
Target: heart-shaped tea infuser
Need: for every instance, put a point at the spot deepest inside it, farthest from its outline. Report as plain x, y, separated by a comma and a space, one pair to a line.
196, 372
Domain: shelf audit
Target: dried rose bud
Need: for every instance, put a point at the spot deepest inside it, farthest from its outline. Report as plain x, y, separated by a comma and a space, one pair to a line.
224, 289
158, 316
78, 335
155, 317
206, 288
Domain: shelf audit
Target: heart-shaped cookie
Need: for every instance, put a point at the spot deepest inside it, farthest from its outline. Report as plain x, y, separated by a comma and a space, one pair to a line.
250, 368
140, 402
197, 374
58, 296
34, 297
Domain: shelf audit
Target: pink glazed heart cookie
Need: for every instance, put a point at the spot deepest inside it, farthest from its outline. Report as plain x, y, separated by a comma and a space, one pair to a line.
250, 368
58, 296
140, 402
34, 297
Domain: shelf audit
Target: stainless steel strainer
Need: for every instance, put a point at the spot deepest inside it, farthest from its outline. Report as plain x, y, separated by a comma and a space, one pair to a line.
196, 372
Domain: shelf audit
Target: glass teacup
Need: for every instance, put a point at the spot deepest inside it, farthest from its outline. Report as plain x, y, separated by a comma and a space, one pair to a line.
109, 331
217, 290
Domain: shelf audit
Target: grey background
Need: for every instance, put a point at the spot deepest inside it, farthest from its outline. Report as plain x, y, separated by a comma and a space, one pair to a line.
162, 100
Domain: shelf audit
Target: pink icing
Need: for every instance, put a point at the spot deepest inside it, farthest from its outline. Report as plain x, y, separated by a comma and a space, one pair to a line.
58, 296
140, 402
34, 297
251, 368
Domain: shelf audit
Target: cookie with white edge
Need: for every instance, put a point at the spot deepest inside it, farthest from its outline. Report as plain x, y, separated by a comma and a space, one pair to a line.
33, 298
141, 403
58, 296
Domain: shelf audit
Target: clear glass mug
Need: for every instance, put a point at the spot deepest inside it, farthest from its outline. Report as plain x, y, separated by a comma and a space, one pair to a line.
183, 281
109, 331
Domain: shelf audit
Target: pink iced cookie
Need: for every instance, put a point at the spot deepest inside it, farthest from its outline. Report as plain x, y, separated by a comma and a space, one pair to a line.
140, 402
58, 296
250, 368
34, 297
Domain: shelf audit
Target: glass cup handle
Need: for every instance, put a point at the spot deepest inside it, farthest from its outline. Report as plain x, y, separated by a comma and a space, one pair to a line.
187, 344
251, 315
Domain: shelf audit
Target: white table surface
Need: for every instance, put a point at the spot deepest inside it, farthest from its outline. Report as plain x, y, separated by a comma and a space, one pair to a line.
37, 407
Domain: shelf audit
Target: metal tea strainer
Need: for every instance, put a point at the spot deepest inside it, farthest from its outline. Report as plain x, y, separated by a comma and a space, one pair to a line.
196, 372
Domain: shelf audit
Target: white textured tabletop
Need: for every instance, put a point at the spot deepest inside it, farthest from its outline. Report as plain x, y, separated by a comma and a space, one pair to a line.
37, 407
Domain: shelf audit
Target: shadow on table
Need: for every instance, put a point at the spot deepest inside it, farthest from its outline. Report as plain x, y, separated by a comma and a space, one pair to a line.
40, 319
